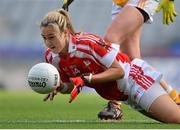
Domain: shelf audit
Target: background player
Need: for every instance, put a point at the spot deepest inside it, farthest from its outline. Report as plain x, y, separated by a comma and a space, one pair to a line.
126, 28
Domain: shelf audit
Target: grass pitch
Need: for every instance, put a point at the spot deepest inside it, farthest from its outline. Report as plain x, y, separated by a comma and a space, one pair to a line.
27, 110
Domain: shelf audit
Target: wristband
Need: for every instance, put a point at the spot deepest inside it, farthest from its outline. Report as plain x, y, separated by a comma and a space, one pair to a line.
64, 88
87, 81
90, 78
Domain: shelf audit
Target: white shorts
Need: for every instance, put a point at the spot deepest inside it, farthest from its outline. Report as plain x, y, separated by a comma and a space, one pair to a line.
143, 85
149, 6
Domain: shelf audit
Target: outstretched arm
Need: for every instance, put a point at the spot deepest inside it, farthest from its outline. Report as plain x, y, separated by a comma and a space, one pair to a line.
113, 73
64, 88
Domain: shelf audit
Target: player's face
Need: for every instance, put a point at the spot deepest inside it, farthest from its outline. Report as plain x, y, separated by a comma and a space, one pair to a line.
55, 40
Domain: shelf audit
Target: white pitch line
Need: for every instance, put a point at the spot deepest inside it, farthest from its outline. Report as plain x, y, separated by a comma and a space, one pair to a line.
79, 121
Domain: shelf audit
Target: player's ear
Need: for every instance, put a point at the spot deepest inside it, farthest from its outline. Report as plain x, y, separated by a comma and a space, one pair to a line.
66, 33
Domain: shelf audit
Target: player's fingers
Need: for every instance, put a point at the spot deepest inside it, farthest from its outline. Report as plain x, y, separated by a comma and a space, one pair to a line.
164, 18
58, 89
158, 8
168, 20
55, 92
174, 13
47, 97
171, 16
51, 96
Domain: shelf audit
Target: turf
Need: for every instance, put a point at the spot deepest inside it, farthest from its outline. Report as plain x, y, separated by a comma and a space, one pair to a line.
27, 110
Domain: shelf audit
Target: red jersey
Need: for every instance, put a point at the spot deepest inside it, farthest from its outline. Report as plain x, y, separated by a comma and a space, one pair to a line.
89, 53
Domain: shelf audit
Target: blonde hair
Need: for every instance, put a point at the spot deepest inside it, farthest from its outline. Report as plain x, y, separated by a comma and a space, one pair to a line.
58, 17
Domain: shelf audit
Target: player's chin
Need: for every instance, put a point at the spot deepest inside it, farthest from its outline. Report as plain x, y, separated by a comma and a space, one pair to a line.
55, 51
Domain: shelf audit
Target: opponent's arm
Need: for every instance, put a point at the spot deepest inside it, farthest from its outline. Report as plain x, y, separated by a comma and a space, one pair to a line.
168, 9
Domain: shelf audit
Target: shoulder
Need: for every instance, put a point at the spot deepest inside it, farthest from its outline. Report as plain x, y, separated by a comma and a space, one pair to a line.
91, 40
88, 37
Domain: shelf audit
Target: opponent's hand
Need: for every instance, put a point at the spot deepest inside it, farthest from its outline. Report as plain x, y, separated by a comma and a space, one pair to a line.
169, 12
51, 95
66, 4
78, 83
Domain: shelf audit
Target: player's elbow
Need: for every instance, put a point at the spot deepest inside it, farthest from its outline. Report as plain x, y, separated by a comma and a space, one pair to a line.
120, 73
114, 37
174, 119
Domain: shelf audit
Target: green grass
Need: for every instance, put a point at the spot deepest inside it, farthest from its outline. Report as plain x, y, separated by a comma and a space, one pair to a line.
27, 110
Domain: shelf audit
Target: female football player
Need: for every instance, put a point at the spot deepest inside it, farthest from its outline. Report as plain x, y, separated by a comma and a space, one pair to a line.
86, 59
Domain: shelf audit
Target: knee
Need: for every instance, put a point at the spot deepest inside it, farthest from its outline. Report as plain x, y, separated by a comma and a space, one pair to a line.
174, 118
114, 37
110, 37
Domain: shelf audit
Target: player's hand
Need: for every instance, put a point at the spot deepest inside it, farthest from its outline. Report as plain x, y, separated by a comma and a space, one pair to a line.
66, 4
169, 12
51, 95
78, 83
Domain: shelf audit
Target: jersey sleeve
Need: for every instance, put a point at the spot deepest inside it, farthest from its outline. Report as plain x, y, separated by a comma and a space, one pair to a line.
109, 55
104, 52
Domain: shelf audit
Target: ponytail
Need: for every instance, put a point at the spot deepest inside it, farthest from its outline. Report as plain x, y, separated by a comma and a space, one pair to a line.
59, 17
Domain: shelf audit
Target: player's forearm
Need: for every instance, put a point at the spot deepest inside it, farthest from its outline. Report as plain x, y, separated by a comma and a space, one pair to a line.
111, 74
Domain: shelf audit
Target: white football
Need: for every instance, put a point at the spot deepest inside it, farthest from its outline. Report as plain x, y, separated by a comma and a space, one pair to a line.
43, 78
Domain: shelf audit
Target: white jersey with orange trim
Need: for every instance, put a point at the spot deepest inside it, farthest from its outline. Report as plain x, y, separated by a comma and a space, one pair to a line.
89, 53
149, 6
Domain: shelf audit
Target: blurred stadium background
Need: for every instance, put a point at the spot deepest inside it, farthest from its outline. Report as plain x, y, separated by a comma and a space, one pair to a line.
21, 45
